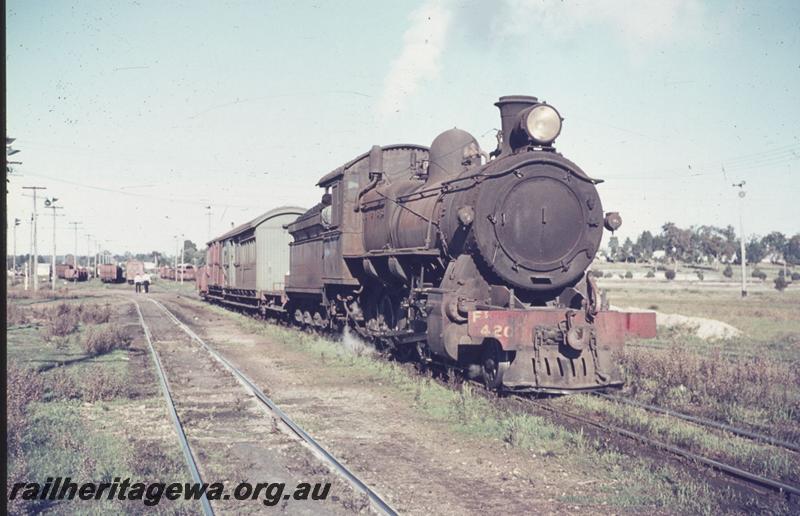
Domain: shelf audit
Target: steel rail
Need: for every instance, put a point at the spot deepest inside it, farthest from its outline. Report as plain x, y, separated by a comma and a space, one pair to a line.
165, 389
704, 421
377, 502
733, 471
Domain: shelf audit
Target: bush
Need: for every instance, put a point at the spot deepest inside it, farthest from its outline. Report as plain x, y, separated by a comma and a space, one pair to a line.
650, 274
103, 385
609, 275
92, 384
105, 338
781, 283
61, 326
661, 268
700, 275
728, 272
95, 314
757, 382
669, 274
597, 274
63, 310
60, 385
796, 276
629, 275
758, 273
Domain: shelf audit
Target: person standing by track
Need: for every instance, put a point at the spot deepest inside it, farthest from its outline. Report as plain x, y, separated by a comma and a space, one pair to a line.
137, 282
146, 282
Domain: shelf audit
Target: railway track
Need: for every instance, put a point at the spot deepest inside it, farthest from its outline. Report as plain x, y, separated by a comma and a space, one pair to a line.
741, 432
376, 501
188, 456
748, 477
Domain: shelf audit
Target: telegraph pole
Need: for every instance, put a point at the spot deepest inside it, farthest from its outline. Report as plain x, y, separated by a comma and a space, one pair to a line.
51, 203
88, 254
740, 186
75, 258
176, 257
183, 250
35, 268
14, 262
30, 255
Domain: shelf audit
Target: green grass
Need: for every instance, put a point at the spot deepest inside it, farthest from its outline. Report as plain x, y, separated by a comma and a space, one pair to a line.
187, 288
638, 484
26, 345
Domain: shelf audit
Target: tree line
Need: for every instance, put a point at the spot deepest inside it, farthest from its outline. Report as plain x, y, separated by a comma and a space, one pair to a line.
191, 254
704, 244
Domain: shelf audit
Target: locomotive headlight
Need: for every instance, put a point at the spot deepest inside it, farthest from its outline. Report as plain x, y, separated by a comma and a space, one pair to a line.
543, 124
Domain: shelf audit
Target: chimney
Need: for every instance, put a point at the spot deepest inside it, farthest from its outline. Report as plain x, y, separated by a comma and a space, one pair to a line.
510, 106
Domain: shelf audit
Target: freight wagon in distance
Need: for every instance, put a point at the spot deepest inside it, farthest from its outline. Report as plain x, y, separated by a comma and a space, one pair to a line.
132, 268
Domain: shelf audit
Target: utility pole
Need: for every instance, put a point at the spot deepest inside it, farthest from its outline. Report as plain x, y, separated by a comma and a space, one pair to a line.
183, 250
51, 203
30, 255
17, 222
88, 255
75, 257
35, 250
740, 186
176, 257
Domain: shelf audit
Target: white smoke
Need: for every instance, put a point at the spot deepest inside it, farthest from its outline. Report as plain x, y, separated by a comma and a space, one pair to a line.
355, 344
423, 45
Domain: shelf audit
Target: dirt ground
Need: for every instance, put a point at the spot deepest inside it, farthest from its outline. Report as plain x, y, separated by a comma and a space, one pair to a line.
418, 464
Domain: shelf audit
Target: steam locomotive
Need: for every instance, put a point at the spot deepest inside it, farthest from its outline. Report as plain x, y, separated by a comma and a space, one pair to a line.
449, 255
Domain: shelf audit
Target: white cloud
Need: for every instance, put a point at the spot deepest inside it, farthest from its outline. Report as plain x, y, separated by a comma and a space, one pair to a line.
419, 60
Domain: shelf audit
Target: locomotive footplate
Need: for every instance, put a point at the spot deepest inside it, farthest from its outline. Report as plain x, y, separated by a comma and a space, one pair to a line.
559, 350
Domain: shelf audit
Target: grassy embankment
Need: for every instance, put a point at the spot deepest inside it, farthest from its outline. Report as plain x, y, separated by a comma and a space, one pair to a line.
81, 405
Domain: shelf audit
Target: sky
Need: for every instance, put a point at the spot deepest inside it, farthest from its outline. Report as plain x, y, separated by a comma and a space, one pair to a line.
139, 115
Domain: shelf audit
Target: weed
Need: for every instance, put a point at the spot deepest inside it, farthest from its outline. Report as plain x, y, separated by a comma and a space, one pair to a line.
23, 388
105, 338
61, 385
95, 314
60, 326
15, 315
683, 378
103, 385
